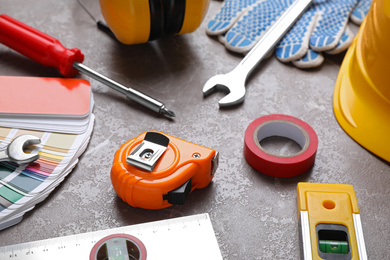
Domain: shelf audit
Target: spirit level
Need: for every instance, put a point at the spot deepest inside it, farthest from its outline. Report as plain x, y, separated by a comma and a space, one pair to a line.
330, 222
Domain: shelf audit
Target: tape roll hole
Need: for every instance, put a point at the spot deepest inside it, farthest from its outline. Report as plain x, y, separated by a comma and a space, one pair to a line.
118, 248
281, 138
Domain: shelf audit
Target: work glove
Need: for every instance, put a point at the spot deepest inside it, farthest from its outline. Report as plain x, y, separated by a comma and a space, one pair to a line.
322, 28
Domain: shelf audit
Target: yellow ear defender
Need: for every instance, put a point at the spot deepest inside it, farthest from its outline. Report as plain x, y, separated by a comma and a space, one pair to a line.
139, 21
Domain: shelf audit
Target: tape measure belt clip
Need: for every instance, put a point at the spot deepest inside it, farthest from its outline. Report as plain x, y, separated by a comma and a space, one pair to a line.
146, 155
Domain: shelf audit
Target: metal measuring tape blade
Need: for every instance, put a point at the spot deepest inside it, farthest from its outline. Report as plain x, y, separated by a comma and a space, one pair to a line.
156, 170
330, 222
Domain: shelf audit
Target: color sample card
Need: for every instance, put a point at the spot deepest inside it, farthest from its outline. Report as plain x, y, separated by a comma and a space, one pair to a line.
47, 97
46, 104
59, 112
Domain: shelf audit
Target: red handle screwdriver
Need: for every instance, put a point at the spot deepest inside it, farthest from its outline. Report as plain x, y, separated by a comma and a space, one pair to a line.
49, 52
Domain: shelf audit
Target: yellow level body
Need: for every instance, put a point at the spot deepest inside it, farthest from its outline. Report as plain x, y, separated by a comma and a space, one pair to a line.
330, 222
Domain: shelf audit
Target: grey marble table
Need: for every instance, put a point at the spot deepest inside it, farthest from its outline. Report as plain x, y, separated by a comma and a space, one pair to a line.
254, 216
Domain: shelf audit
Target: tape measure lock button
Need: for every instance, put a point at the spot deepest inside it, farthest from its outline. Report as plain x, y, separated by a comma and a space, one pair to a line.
156, 170
274, 164
179, 195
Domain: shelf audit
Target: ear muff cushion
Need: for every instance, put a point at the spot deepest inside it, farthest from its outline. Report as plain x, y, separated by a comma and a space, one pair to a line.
194, 14
174, 11
156, 19
129, 20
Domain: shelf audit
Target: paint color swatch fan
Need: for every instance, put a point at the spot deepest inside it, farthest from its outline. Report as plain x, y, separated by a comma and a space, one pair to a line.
59, 112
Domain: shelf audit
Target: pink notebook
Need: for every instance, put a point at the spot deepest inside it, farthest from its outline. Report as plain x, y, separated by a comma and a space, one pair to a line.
44, 97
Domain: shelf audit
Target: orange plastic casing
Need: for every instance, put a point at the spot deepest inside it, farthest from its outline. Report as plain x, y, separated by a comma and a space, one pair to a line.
179, 163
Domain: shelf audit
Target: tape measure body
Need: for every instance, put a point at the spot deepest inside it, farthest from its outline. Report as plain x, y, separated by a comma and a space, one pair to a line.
139, 21
273, 164
182, 161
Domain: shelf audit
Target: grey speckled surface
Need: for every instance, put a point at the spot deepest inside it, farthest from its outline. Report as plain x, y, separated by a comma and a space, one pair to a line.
254, 216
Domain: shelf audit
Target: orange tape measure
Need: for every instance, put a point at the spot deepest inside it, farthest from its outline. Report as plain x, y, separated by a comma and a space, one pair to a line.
156, 170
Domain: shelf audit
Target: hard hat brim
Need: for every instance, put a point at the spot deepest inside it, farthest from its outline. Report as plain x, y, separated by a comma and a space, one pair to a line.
359, 108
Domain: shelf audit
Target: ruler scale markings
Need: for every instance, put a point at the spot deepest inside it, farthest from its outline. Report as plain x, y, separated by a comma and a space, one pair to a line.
155, 235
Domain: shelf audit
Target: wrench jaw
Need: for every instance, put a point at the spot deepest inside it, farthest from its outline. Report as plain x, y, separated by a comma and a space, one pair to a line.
213, 84
236, 90
232, 99
15, 150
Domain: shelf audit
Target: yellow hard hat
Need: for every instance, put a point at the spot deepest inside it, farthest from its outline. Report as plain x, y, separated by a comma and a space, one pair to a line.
361, 98
139, 21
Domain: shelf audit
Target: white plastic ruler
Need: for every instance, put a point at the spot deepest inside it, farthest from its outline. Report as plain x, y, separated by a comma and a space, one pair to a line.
181, 238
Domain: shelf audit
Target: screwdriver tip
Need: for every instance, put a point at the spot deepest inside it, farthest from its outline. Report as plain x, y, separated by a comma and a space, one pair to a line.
167, 112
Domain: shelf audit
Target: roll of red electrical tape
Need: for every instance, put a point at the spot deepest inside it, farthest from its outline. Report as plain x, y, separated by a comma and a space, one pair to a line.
278, 165
118, 246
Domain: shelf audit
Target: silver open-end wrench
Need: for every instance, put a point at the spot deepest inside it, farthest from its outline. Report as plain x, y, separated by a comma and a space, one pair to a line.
14, 151
234, 81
